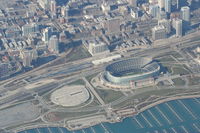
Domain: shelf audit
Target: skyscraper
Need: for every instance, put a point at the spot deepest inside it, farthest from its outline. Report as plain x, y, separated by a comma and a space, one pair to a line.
153, 2
159, 32
179, 27
43, 3
97, 47
27, 56
133, 3
113, 25
162, 15
53, 7
154, 10
185, 13
168, 6
161, 3
64, 11
177, 4
47, 34
53, 44
29, 28
166, 24
134, 13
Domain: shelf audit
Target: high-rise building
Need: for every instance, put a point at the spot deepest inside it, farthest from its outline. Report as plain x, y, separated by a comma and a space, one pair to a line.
53, 7
153, 2
168, 6
185, 13
159, 32
132, 3
96, 47
179, 27
62, 37
161, 3
166, 24
47, 34
53, 45
105, 7
134, 13
64, 11
44, 3
177, 4
162, 15
29, 28
27, 56
113, 25
154, 10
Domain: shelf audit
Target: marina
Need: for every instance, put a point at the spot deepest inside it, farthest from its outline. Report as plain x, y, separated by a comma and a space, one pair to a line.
177, 116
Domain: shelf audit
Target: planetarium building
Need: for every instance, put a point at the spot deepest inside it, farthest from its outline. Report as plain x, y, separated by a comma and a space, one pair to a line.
131, 70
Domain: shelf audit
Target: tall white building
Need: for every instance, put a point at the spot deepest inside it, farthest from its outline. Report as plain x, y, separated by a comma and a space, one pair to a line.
166, 23
179, 27
44, 3
53, 45
64, 11
153, 2
132, 3
29, 28
159, 32
185, 13
161, 3
96, 47
105, 7
162, 15
177, 4
134, 13
46, 34
53, 7
27, 56
168, 4
154, 10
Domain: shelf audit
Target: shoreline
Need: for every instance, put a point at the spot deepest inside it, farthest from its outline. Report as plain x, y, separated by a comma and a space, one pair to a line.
121, 118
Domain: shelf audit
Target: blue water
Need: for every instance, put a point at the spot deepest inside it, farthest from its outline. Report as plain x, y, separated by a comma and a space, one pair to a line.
179, 116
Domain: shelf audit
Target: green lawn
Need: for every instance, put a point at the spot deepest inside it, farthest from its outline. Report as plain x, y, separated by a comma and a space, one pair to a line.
77, 82
165, 59
178, 81
109, 95
89, 78
180, 70
79, 52
194, 80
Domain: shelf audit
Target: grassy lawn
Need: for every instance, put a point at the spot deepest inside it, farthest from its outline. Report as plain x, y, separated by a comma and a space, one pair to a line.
173, 53
165, 59
194, 80
57, 116
180, 70
176, 69
178, 81
143, 96
77, 82
109, 95
79, 52
89, 78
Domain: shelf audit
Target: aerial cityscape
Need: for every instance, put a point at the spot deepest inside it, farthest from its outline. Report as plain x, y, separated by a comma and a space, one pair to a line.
99, 66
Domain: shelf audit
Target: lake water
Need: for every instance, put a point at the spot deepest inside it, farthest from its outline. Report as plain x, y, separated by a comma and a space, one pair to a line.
179, 116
